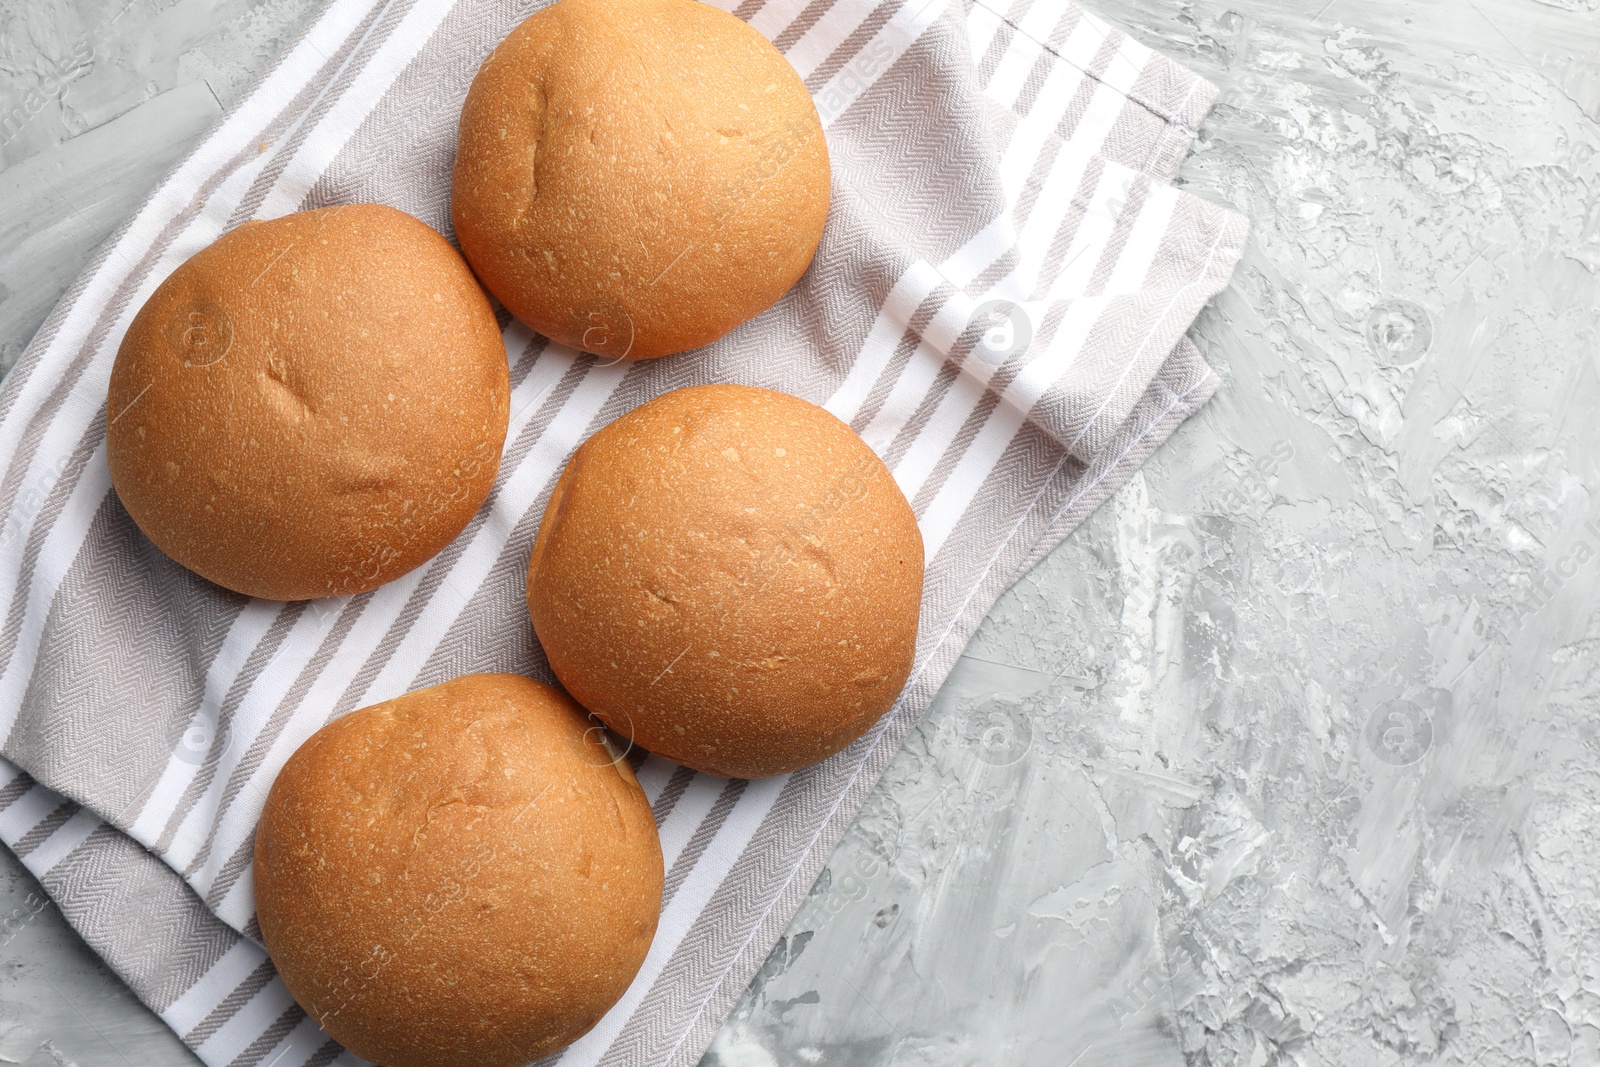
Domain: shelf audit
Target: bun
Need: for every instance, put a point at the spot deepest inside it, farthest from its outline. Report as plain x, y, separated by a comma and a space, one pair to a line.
460, 877
732, 578
638, 177
310, 406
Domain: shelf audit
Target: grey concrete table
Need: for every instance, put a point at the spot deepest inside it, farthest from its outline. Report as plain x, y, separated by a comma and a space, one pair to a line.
1291, 755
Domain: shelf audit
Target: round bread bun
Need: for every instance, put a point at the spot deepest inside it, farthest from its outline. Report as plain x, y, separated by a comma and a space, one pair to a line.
638, 177
464, 876
730, 577
310, 406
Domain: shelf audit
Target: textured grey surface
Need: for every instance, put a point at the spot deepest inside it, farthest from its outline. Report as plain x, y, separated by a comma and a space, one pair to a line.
58, 1003
1291, 749
1289, 754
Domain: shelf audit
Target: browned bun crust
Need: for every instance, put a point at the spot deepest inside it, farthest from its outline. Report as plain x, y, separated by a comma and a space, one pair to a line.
460, 877
730, 576
638, 177
310, 406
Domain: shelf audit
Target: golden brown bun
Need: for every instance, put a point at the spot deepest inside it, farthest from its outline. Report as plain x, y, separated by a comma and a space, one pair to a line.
732, 578
638, 177
460, 877
310, 406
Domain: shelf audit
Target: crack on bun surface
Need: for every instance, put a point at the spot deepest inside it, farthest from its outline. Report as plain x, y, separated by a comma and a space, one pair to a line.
310, 406
656, 157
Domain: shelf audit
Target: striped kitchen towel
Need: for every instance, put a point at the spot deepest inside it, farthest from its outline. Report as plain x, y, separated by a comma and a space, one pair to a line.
998, 306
